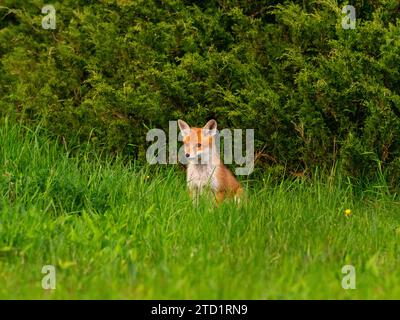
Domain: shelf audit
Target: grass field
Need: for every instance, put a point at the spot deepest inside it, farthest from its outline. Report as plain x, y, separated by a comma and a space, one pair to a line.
124, 232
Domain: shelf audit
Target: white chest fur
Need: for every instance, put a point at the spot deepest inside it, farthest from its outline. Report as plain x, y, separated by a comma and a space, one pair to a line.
202, 175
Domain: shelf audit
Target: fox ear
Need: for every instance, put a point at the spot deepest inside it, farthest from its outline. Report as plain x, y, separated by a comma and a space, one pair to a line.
185, 129
211, 127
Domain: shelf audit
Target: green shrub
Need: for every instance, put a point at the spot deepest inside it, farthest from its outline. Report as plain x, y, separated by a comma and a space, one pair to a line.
315, 94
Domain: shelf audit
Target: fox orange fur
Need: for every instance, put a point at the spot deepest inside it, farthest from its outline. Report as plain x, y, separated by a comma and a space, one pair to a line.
205, 167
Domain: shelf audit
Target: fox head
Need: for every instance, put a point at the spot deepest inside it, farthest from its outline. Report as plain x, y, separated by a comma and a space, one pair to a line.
198, 142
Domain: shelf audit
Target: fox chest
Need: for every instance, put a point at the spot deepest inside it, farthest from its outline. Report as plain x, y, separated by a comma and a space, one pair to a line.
200, 176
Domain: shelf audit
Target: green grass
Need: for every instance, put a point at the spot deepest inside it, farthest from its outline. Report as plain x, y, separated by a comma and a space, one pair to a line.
124, 232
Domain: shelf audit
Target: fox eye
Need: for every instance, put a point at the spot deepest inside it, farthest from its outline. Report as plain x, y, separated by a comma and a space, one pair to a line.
198, 145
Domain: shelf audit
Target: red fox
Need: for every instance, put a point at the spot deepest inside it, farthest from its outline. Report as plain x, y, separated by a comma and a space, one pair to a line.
205, 167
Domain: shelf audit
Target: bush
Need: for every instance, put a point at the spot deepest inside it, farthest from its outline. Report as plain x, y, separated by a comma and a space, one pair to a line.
315, 93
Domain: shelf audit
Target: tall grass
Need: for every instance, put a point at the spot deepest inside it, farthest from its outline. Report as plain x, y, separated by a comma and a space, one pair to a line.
117, 230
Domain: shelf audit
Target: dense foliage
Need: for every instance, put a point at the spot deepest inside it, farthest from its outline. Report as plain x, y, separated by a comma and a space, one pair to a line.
315, 93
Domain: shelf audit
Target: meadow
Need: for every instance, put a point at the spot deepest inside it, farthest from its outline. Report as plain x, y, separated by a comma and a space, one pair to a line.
120, 230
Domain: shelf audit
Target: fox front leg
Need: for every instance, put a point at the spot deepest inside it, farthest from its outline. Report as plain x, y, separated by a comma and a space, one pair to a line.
194, 195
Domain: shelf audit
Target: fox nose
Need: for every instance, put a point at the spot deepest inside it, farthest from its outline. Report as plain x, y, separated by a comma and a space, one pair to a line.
187, 155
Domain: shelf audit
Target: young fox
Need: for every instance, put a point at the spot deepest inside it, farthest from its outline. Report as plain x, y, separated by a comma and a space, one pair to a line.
205, 167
